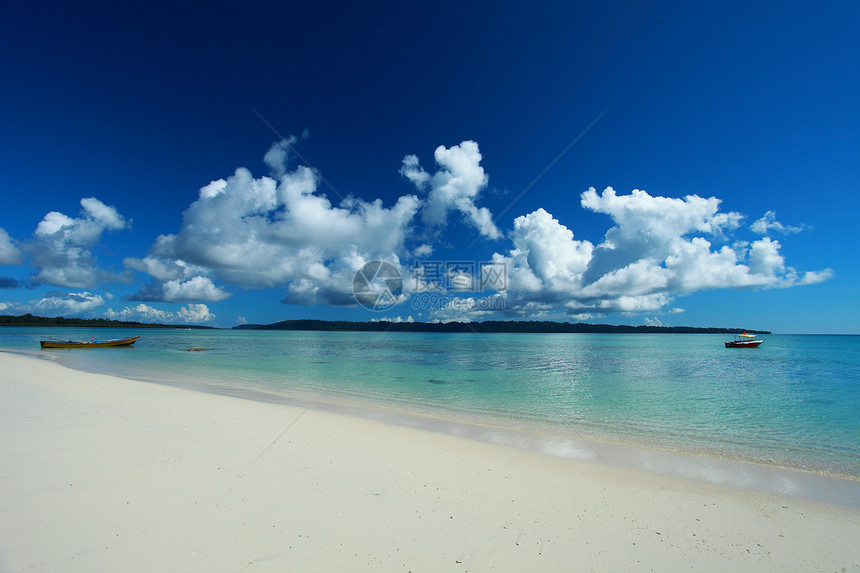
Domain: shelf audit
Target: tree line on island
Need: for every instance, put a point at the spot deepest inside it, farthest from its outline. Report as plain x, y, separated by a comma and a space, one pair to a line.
33, 320
489, 326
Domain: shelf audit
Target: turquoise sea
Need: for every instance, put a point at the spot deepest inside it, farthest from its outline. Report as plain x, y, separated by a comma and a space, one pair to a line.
793, 402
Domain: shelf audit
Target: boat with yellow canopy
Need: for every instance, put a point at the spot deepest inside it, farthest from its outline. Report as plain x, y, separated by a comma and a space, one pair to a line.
744, 341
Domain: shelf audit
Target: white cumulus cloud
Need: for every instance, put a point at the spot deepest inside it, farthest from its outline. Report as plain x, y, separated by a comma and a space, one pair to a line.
265, 232
191, 314
657, 248
454, 187
282, 231
769, 223
57, 303
9, 253
195, 288
61, 247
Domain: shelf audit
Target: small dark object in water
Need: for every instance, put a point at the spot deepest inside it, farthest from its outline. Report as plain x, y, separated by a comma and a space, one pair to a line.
437, 381
195, 349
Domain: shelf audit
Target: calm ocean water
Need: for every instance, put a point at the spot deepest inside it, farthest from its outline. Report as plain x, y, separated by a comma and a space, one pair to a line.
795, 401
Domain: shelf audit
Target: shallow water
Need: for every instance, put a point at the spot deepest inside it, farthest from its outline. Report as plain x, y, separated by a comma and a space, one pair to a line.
792, 402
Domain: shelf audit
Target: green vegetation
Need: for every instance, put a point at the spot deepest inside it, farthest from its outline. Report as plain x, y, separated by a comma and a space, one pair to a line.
509, 326
31, 320
487, 327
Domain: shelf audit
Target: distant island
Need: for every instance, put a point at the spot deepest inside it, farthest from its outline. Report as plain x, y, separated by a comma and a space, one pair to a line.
500, 326
33, 320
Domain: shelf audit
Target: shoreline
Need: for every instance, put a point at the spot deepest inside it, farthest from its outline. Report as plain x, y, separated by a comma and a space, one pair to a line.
745, 473
776, 479
105, 473
703, 401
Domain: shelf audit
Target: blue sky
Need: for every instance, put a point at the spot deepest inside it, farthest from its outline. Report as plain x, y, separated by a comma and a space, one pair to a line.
640, 163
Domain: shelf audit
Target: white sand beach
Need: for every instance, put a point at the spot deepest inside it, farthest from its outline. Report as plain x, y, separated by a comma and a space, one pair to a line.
99, 473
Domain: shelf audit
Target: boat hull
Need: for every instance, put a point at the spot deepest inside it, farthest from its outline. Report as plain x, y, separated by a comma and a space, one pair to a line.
90, 344
743, 344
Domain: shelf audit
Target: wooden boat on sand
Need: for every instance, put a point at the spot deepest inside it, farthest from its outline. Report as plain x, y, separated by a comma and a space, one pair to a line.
54, 343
